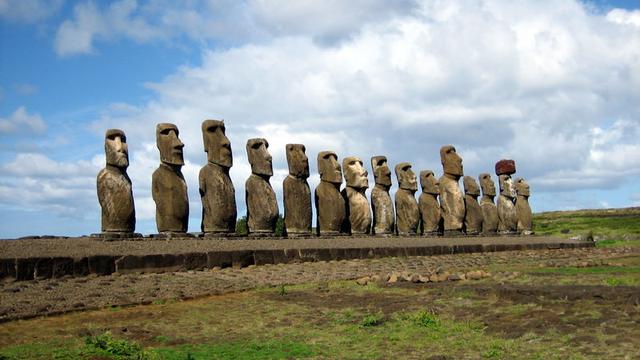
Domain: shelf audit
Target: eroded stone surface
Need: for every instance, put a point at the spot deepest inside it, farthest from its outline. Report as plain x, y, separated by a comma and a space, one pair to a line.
168, 187
473, 212
114, 186
451, 199
489, 209
217, 192
381, 204
507, 217
407, 212
330, 204
262, 206
357, 213
296, 192
523, 210
428, 203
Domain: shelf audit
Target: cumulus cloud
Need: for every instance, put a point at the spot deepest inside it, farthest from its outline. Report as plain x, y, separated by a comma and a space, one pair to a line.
119, 19
28, 11
553, 88
556, 88
226, 22
20, 121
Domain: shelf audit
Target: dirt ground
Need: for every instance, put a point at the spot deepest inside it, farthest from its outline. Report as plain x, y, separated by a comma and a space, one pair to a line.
26, 299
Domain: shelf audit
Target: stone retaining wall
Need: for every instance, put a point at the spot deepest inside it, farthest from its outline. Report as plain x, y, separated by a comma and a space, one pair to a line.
56, 267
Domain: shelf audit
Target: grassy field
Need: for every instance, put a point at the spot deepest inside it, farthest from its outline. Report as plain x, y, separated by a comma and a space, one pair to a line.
537, 312
609, 224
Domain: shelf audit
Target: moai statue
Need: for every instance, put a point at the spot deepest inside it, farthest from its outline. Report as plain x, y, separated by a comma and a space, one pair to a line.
114, 187
262, 207
473, 212
330, 204
407, 212
523, 210
507, 217
296, 192
216, 189
451, 199
428, 203
168, 188
489, 209
381, 205
357, 211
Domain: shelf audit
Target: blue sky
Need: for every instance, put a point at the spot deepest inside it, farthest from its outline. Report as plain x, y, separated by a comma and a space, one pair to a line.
551, 84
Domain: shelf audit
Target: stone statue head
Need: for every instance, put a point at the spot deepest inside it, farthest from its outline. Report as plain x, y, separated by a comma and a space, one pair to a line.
259, 156
381, 171
429, 183
297, 161
506, 186
169, 144
470, 186
329, 168
406, 177
354, 173
451, 161
487, 185
522, 188
116, 149
216, 144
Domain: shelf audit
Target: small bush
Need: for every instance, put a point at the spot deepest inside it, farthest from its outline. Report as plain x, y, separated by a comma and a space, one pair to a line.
425, 319
119, 349
370, 320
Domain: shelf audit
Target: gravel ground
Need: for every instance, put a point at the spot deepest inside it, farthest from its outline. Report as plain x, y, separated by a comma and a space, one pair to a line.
26, 299
86, 246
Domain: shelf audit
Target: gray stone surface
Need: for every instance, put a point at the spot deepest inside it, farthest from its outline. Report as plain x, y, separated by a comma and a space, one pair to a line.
262, 206
430, 216
473, 212
296, 192
507, 217
358, 213
217, 192
168, 187
523, 210
451, 198
330, 204
114, 186
407, 211
381, 205
489, 209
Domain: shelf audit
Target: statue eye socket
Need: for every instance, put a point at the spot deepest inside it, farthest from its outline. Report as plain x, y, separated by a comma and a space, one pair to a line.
212, 129
256, 146
166, 131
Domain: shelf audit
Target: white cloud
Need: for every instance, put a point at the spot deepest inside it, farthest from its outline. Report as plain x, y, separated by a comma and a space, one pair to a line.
119, 19
28, 11
556, 88
21, 121
226, 22
552, 88
622, 16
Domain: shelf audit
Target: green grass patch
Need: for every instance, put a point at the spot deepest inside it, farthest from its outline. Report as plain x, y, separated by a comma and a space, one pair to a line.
617, 243
609, 224
268, 349
568, 270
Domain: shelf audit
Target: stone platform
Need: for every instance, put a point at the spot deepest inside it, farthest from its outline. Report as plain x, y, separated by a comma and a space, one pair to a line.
27, 259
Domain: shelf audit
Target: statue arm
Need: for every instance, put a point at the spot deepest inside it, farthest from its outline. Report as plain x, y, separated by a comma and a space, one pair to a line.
100, 182
202, 184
